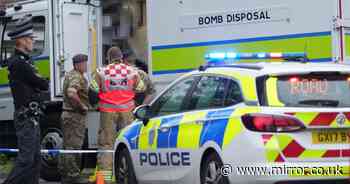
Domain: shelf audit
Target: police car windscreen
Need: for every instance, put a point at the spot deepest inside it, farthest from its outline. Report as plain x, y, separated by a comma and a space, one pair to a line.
321, 90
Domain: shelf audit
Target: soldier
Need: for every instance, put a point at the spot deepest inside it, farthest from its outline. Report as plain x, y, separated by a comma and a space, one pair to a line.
75, 107
117, 83
26, 86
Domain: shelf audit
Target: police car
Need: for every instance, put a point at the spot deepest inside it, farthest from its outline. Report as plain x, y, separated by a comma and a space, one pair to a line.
242, 123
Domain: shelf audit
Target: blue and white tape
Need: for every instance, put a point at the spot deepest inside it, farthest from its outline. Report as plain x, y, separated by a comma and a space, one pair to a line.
58, 151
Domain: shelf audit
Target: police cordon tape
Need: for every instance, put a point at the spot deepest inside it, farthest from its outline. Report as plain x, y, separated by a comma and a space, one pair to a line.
58, 151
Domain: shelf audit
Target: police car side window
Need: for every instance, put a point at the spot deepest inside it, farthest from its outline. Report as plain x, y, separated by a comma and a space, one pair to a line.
172, 100
209, 93
234, 94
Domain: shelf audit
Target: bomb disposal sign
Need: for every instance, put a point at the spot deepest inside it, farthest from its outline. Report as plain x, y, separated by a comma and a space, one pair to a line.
235, 17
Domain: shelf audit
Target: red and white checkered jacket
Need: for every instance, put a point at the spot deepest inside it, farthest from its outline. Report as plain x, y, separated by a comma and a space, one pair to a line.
117, 90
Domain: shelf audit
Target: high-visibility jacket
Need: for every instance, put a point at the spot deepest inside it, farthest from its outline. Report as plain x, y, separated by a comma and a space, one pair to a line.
116, 92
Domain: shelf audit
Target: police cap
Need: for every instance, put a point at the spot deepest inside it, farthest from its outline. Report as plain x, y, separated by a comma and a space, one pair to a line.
23, 28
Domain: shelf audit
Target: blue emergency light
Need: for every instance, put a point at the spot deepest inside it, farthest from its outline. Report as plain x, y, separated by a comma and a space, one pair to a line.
217, 56
217, 59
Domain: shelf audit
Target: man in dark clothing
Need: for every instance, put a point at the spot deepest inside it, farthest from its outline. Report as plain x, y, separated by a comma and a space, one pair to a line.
26, 85
146, 96
141, 65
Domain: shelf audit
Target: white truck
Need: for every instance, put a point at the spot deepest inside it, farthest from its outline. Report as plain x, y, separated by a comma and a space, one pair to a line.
63, 28
181, 32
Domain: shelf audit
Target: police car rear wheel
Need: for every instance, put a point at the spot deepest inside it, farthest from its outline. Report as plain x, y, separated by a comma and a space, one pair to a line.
211, 170
124, 171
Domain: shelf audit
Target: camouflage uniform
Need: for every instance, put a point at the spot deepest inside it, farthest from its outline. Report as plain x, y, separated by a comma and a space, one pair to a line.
111, 124
73, 123
149, 88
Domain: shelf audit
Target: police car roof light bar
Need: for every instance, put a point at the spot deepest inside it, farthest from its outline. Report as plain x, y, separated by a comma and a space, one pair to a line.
241, 66
240, 56
229, 59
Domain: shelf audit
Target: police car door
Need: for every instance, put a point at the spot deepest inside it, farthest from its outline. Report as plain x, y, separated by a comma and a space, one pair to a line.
193, 130
157, 141
73, 30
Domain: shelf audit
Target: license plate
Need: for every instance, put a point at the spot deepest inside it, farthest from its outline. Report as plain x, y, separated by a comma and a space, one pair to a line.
330, 137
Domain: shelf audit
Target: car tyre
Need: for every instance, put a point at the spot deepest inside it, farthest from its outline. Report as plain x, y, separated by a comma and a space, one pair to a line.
124, 170
211, 170
51, 138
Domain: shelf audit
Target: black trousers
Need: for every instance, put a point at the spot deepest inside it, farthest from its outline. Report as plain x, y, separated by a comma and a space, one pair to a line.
27, 166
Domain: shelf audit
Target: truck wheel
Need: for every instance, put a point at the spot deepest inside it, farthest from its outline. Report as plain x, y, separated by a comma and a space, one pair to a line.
124, 170
211, 170
51, 139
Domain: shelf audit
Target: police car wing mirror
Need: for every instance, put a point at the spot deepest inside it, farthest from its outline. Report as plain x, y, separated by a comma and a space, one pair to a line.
143, 113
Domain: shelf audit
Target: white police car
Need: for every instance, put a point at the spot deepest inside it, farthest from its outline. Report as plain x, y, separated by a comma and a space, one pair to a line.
242, 123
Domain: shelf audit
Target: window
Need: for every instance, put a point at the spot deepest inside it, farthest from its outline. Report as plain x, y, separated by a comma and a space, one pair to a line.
172, 100
39, 33
313, 90
234, 94
209, 93
8, 45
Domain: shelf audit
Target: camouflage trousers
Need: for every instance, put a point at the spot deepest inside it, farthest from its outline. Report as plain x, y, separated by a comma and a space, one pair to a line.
110, 124
73, 127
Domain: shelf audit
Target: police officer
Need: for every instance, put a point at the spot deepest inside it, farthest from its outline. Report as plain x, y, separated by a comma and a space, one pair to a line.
26, 85
117, 83
75, 107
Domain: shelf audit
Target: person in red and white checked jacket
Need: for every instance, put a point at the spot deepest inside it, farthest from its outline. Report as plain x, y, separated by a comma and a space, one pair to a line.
117, 82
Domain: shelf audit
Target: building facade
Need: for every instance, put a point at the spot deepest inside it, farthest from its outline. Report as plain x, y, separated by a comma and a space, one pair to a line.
127, 28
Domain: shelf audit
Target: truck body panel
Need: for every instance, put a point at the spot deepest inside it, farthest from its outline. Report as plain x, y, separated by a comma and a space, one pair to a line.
182, 32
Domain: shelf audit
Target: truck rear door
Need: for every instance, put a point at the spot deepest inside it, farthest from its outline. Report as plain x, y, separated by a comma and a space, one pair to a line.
73, 30
346, 18
342, 31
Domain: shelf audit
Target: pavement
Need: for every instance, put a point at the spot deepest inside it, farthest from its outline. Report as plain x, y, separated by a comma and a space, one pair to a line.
3, 177
41, 181
5, 168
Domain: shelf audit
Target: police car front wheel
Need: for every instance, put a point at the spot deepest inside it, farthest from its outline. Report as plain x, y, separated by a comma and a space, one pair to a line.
124, 170
211, 170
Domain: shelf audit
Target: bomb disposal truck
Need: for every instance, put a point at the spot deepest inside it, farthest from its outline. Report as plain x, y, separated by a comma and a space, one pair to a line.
181, 32
63, 28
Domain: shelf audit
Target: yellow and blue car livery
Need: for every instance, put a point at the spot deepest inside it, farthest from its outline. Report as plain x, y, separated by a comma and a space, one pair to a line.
230, 144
